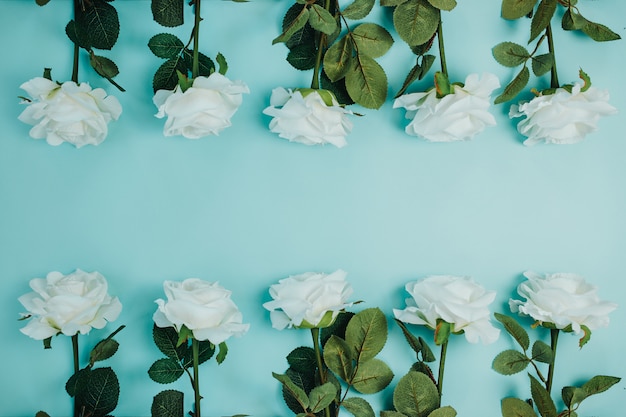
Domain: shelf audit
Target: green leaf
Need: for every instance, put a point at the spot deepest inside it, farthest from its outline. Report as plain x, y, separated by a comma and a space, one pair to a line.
541, 64
206, 66
165, 371
302, 57
372, 376
391, 3
168, 13
366, 82
572, 20
320, 397
418, 72
446, 5
166, 77
572, 395
599, 32
222, 64
42, 413
446, 411
338, 328
416, 21
415, 395
222, 352
510, 54
305, 381
358, 407
513, 328
338, 59
168, 403
77, 34
414, 342
338, 88
165, 339
388, 413
542, 17
292, 27
339, 357
104, 349
302, 359
514, 88
103, 66
77, 381
99, 397
366, 334
42, 3
296, 392
514, 9
372, 39
514, 407
358, 9
599, 383
101, 23
510, 362
542, 352
542, 398
320, 19
206, 350
165, 45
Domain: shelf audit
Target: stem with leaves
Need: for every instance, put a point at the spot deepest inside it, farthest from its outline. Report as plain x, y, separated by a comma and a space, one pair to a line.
320, 40
554, 78
315, 334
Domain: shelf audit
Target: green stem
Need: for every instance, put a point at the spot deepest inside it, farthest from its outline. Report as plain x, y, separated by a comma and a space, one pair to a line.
195, 348
442, 365
554, 78
76, 48
195, 69
320, 39
554, 338
76, 368
315, 333
442, 50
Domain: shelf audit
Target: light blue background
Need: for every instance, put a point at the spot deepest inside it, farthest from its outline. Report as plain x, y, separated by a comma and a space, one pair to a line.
248, 208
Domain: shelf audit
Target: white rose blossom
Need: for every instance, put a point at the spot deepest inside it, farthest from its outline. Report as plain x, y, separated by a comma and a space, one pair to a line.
457, 116
562, 299
308, 300
203, 307
308, 116
562, 117
68, 112
203, 109
456, 300
68, 304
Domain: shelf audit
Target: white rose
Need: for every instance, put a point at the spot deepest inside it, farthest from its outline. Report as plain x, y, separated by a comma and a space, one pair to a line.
456, 300
308, 116
308, 300
562, 299
203, 109
68, 112
68, 304
203, 307
457, 116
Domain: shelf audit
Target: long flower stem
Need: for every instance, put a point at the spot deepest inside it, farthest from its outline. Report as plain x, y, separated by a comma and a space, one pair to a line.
554, 77
195, 348
442, 49
315, 333
320, 39
76, 368
554, 338
76, 48
442, 365
195, 68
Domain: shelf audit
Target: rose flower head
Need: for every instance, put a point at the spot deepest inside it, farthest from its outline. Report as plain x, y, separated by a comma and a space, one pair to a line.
459, 301
309, 300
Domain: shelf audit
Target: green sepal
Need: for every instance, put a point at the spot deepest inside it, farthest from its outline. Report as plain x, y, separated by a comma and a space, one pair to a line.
168, 403
185, 83
222, 64
586, 84
47, 342
184, 334
168, 13
221, 353
443, 88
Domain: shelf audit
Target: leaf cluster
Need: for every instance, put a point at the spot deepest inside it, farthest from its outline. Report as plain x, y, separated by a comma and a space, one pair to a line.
542, 12
512, 361
349, 362
347, 58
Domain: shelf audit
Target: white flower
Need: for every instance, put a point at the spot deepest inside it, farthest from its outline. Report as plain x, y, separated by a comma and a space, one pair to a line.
68, 304
562, 299
203, 307
308, 300
68, 112
456, 300
203, 109
562, 117
308, 116
457, 116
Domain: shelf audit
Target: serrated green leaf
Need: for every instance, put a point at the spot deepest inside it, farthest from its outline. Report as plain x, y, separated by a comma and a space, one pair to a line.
168, 13
514, 407
514, 87
366, 334
103, 350
416, 21
414, 342
599, 32
100, 396
206, 350
206, 66
388, 413
295, 391
338, 88
77, 381
302, 359
321, 20
358, 407
165, 339
104, 66
542, 17
513, 328
371, 39
446, 411
321, 396
366, 82
294, 26
338, 59
510, 362
339, 357
541, 398
77, 34
572, 20
100, 21
302, 57
415, 395
541, 64
165, 371
166, 77
391, 3
358, 9
510, 54
572, 395
166, 45
446, 5
168, 403
599, 383
372, 376
514, 9
542, 352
